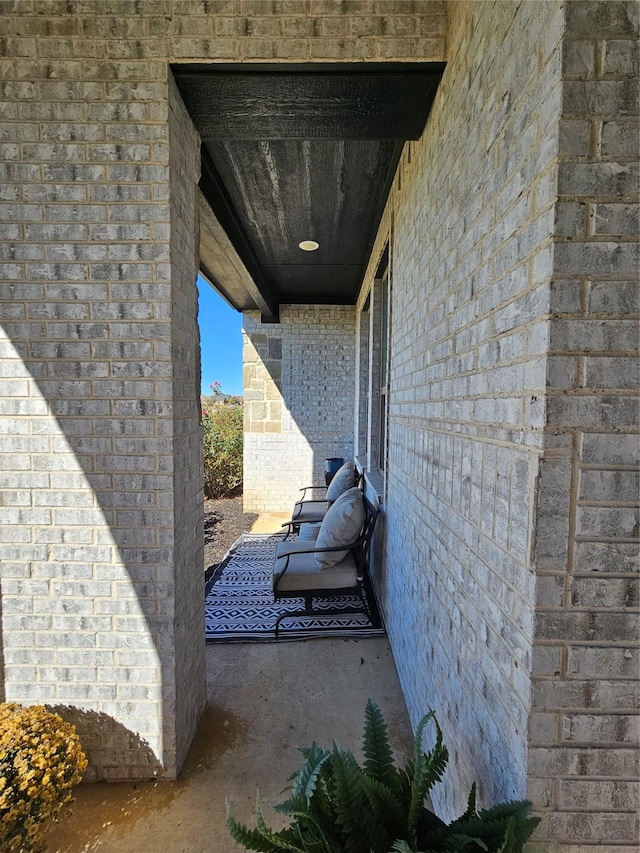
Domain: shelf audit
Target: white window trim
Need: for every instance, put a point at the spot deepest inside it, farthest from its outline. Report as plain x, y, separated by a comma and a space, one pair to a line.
371, 458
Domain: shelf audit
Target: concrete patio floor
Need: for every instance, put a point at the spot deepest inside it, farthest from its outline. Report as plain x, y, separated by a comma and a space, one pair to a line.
263, 700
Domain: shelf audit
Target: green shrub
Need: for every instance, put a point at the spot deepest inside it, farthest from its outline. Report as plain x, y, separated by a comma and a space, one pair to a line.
41, 760
337, 806
222, 443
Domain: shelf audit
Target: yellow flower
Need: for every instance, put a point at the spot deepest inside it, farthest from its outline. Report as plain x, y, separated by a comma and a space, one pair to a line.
41, 759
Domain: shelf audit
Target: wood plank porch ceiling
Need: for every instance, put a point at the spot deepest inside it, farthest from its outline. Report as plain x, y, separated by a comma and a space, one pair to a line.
293, 153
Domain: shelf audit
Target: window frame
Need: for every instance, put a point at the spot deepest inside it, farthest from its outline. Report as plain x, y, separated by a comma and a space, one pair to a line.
372, 408
383, 391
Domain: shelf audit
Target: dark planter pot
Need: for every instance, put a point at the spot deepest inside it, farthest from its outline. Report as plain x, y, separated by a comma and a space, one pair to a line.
331, 467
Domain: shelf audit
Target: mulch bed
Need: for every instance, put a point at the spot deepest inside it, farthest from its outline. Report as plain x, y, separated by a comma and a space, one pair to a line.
224, 523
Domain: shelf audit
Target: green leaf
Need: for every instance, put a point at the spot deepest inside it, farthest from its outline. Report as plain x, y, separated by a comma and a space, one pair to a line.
405, 780
305, 780
471, 804
253, 839
459, 842
508, 843
428, 769
261, 839
513, 808
402, 847
350, 802
313, 836
386, 809
493, 825
376, 748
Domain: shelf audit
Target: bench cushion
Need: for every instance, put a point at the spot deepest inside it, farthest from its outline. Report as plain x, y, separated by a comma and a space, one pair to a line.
341, 525
304, 573
309, 510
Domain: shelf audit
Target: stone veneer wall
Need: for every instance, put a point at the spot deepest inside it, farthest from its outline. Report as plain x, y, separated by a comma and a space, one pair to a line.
100, 554
299, 392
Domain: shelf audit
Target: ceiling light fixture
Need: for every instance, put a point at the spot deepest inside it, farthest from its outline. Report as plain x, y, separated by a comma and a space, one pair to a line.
309, 245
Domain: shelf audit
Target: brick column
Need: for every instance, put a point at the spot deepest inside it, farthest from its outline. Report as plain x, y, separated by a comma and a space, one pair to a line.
185, 661
583, 761
101, 475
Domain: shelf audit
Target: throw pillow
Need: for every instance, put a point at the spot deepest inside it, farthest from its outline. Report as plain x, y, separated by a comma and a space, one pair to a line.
343, 479
341, 526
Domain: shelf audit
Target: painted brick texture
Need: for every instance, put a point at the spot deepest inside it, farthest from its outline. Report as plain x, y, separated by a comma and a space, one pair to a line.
511, 496
585, 726
299, 391
184, 708
101, 506
470, 220
101, 448
512, 490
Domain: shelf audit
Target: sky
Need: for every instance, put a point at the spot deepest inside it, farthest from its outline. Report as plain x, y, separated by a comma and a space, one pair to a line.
220, 340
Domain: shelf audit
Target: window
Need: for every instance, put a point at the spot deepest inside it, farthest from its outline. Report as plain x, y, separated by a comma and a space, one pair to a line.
363, 366
373, 379
384, 370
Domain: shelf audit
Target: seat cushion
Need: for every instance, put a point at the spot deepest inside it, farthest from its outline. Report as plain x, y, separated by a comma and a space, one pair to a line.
341, 525
344, 478
309, 510
309, 531
304, 573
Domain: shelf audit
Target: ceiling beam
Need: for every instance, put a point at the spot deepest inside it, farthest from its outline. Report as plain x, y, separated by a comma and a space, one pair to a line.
292, 102
258, 289
219, 261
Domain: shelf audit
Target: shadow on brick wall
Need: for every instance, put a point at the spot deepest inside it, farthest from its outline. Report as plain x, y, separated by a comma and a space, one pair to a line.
299, 398
115, 753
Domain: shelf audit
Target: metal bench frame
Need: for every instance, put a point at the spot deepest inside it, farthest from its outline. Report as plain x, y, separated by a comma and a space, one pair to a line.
296, 522
360, 552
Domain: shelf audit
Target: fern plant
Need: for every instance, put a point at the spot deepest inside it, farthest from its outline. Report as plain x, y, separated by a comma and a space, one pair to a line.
337, 806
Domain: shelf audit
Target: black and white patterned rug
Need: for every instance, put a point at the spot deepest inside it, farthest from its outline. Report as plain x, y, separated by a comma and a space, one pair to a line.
239, 605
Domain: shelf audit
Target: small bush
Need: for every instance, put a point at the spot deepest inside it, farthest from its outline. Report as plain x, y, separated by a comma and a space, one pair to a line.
41, 760
222, 443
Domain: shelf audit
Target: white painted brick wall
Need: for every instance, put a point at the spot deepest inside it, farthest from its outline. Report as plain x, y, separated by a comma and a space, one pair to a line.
514, 379
473, 217
585, 725
299, 406
101, 517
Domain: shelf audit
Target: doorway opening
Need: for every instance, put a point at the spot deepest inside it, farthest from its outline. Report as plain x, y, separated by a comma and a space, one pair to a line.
221, 403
